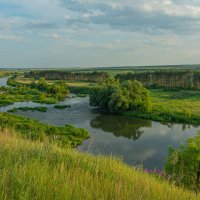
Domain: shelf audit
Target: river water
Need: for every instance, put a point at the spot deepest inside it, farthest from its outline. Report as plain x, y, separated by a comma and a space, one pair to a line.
136, 141
3, 81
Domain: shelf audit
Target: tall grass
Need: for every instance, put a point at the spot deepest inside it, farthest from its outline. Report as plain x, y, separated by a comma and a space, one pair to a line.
33, 170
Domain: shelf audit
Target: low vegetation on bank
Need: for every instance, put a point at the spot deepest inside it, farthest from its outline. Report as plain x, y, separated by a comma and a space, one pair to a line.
39, 108
33, 129
33, 170
62, 106
181, 106
39, 92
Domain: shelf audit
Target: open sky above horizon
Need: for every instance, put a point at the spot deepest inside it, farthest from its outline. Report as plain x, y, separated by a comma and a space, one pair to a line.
95, 33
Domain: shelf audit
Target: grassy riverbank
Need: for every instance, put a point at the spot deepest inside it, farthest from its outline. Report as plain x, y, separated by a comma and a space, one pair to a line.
173, 106
33, 129
33, 170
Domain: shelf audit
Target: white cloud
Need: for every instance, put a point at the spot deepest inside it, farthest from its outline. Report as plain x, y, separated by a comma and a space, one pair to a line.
11, 37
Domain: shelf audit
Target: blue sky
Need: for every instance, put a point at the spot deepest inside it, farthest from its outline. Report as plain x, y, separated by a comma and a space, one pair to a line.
95, 33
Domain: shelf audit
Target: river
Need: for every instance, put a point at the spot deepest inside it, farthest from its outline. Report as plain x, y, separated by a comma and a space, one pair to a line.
136, 141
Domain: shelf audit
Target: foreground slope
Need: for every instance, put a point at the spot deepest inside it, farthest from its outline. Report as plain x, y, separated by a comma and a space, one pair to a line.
32, 170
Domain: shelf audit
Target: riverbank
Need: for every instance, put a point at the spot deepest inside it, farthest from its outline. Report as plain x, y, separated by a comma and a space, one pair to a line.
33, 170
181, 106
35, 130
39, 92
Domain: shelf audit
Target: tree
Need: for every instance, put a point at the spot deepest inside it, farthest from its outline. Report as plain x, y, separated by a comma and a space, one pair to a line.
114, 97
42, 85
59, 89
183, 165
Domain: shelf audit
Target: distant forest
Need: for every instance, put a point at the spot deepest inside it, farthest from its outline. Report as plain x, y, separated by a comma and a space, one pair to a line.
189, 79
70, 76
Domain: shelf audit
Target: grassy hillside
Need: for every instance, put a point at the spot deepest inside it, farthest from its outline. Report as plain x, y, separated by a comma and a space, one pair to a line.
32, 170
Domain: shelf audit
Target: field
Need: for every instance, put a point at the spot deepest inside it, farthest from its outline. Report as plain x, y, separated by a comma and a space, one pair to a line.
32, 170
181, 101
70, 84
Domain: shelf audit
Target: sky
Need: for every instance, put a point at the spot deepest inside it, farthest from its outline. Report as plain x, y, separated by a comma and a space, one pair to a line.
96, 33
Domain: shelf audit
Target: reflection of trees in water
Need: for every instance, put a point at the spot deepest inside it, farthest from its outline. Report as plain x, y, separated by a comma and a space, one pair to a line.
184, 126
120, 125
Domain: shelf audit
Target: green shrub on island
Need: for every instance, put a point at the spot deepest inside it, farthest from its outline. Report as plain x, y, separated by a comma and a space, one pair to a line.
33, 129
62, 106
39, 108
113, 97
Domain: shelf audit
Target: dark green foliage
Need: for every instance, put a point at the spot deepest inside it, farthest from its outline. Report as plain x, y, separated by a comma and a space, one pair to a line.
33, 129
58, 90
113, 97
70, 76
183, 165
39, 108
81, 95
81, 90
62, 106
185, 79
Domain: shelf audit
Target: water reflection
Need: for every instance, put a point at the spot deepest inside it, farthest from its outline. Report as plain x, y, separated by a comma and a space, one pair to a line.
3, 81
127, 127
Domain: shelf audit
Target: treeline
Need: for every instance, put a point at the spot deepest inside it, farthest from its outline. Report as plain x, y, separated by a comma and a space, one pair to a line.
70, 76
187, 79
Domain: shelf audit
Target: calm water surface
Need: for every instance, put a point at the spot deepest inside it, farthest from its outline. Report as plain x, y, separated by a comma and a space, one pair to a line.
3, 81
136, 141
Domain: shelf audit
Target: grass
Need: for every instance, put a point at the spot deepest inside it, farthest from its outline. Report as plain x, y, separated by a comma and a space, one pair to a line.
79, 87
20, 92
70, 84
33, 129
38, 108
173, 106
33, 170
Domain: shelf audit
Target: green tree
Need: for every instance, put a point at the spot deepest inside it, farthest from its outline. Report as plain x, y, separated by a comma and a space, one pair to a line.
59, 89
114, 97
42, 85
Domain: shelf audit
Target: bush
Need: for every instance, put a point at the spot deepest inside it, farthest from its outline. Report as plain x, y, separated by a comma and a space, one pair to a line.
183, 165
114, 97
